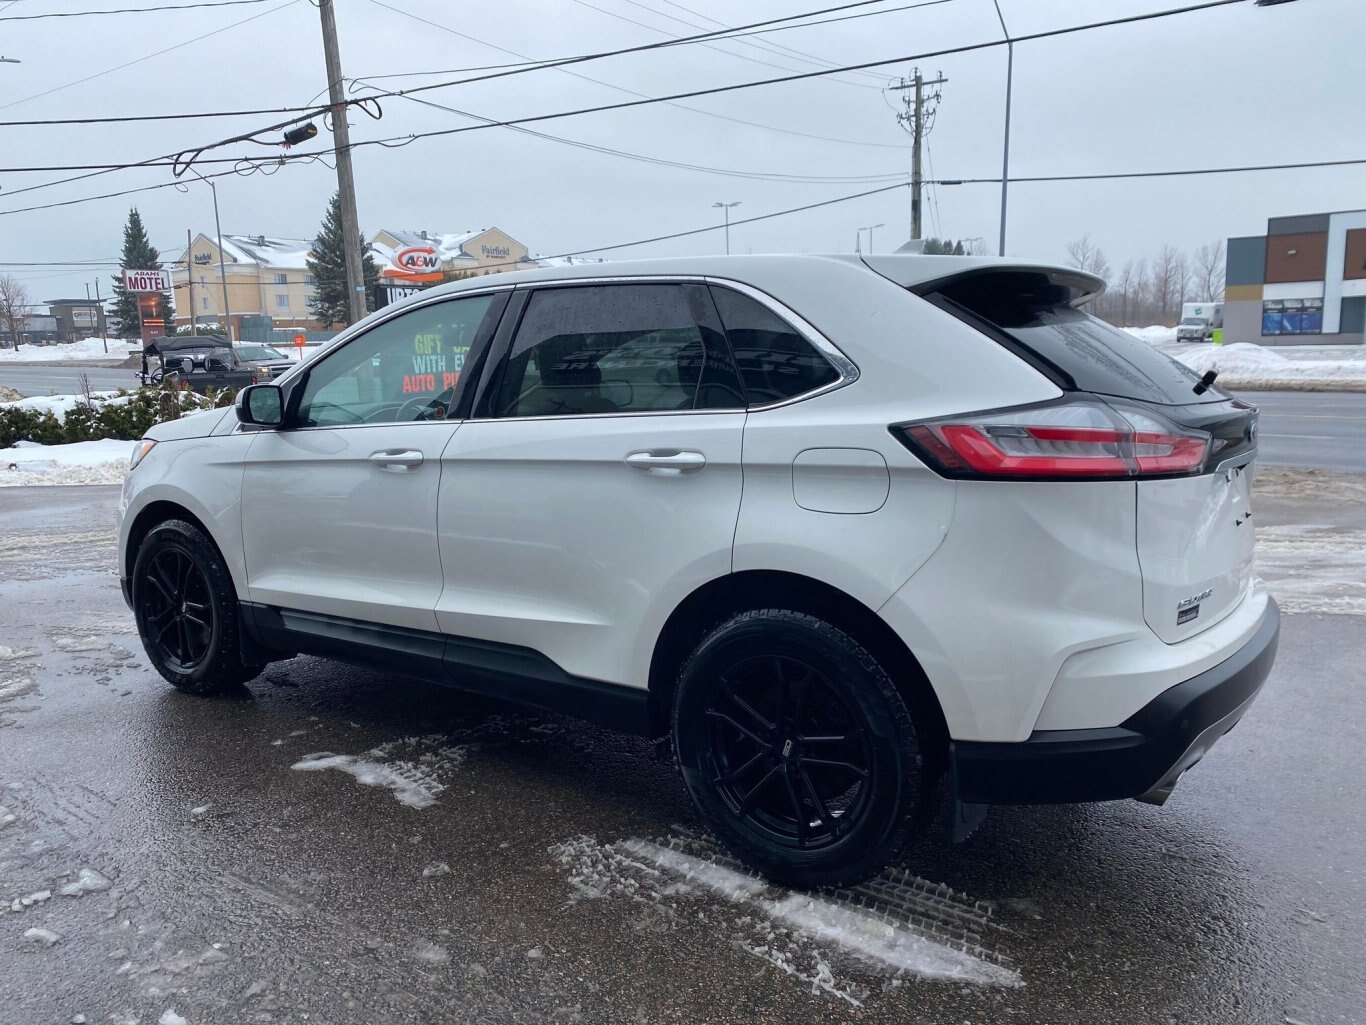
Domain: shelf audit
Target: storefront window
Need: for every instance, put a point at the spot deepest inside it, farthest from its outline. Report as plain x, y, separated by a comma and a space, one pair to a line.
1292, 317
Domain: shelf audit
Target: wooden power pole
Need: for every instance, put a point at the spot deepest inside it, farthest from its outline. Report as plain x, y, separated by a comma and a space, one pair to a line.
346, 182
921, 100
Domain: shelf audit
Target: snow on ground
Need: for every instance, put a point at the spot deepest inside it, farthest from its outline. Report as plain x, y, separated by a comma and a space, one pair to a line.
894, 928
60, 405
1155, 335
1251, 367
85, 349
84, 462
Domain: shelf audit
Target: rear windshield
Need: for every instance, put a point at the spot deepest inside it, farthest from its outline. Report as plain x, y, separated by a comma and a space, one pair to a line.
1035, 314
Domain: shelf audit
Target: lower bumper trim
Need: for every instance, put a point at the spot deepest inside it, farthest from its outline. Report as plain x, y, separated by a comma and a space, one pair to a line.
1142, 757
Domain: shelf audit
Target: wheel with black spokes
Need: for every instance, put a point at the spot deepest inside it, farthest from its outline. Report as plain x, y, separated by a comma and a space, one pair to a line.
797, 748
186, 610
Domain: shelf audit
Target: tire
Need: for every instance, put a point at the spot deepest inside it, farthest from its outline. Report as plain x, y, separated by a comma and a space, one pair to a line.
750, 703
186, 611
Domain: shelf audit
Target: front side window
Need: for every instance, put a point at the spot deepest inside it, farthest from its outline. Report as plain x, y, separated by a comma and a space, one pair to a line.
608, 349
775, 362
402, 370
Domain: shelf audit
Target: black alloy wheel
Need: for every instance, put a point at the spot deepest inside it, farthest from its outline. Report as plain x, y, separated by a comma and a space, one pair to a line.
177, 609
187, 611
789, 755
798, 749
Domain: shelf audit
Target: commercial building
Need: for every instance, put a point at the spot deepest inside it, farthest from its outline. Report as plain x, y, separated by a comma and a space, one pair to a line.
266, 277
1303, 282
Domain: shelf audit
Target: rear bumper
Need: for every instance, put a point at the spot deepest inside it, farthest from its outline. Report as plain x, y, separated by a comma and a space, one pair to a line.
1142, 757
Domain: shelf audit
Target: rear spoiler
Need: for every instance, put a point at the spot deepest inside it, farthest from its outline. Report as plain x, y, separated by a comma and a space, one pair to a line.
1060, 285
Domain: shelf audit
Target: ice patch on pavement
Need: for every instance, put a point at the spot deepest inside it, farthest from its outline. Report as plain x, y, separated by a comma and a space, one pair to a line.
169, 1017
44, 936
87, 881
14, 654
75, 644
409, 783
838, 942
17, 687
1313, 568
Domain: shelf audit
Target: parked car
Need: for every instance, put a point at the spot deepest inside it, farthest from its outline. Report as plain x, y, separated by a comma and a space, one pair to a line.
259, 356
198, 362
848, 530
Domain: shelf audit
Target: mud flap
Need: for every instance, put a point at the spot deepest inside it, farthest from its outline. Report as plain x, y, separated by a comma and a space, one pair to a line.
965, 817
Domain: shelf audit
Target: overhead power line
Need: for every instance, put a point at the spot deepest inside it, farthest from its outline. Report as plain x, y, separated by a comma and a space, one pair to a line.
131, 10
145, 57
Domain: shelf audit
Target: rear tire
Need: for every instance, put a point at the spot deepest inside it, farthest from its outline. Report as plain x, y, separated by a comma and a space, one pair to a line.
186, 609
798, 750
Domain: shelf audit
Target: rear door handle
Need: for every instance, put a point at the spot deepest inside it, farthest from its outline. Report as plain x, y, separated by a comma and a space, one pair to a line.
667, 461
396, 459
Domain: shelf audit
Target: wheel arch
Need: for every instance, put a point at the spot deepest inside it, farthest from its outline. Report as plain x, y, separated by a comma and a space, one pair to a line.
725, 596
156, 512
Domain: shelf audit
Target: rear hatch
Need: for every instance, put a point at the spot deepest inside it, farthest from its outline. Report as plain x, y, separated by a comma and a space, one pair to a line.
1194, 536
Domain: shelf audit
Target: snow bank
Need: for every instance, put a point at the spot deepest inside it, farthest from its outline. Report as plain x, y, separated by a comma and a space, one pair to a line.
85, 462
1155, 335
85, 349
1244, 365
60, 405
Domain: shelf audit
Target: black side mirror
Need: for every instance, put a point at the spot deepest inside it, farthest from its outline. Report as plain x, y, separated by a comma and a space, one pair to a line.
261, 405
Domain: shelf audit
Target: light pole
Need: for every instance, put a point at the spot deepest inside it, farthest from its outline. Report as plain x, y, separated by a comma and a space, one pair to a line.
726, 208
10, 60
1005, 144
869, 229
222, 270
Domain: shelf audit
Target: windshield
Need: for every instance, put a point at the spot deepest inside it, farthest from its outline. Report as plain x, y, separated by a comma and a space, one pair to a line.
1194, 322
259, 352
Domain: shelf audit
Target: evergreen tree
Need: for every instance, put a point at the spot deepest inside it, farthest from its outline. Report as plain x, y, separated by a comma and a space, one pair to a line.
327, 262
138, 254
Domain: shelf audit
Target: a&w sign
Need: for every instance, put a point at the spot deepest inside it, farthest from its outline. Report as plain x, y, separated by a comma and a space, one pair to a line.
147, 280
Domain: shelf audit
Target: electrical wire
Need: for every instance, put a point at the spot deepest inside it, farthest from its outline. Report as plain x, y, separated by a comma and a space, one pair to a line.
139, 60
775, 176
131, 10
708, 46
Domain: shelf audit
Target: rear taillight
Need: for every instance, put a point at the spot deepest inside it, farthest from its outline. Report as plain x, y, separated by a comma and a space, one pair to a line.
1082, 439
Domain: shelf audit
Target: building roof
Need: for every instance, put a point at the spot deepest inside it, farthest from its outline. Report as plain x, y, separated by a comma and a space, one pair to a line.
448, 245
281, 253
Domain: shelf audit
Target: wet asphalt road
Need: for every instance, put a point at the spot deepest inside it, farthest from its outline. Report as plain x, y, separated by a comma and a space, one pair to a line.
232, 888
1323, 429
64, 378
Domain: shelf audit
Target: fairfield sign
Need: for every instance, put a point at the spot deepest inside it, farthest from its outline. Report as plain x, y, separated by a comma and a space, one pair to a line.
416, 263
147, 280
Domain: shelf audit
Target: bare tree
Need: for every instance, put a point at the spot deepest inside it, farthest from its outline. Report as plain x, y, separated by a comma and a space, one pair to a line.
14, 303
1168, 270
977, 247
1087, 256
1208, 271
1126, 296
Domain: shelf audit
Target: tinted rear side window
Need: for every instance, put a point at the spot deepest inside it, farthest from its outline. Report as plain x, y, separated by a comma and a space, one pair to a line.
775, 362
1030, 310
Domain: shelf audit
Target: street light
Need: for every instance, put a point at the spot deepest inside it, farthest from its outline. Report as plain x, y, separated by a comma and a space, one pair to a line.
726, 208
10, 60
222, 270
1005, 144
869, 229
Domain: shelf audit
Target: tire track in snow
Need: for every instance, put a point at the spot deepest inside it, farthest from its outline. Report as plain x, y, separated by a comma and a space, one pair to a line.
837, 942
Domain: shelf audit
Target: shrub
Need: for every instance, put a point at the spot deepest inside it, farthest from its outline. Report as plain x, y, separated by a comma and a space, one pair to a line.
126, 418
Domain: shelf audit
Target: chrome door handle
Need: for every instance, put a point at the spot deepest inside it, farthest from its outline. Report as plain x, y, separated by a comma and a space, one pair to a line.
667, 461
396, 459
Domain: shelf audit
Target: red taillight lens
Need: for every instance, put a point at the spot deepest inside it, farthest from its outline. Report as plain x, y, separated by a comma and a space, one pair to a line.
1075, 439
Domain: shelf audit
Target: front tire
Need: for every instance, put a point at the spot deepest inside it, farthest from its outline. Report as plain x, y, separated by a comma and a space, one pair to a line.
186, 611
797, 749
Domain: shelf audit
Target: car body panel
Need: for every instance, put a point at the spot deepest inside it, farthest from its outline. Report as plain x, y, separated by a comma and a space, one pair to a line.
328, 529
589, 589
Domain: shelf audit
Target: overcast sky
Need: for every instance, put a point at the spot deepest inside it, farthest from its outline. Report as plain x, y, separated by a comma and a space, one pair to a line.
1235, 85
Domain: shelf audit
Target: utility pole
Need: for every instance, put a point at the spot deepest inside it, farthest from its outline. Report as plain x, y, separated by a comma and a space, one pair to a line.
918, 119
189, 280
1005, 142
725, 207
346, 182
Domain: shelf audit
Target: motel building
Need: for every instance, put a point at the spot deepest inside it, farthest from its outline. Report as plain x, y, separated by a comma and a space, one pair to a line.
1302, 283
266, 276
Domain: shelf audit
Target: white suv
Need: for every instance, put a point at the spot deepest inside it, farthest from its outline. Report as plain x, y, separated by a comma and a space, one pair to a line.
845, 528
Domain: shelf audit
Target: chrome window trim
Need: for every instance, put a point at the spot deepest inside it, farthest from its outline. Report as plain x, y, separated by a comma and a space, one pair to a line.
846, 368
